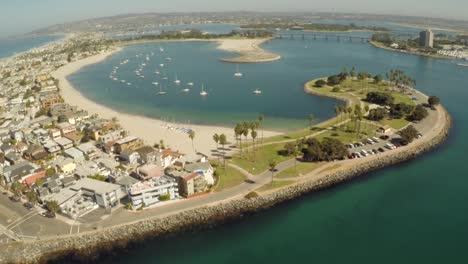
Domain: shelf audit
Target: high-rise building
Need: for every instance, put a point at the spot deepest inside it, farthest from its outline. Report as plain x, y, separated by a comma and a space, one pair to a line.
426, 39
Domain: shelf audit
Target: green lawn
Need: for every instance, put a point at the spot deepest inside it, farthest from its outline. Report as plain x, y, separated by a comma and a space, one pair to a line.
336, 166
346, 133
228, 177
301, 168
395, 123
274, 185
259, 162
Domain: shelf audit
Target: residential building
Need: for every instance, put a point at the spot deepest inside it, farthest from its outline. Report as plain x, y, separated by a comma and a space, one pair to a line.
129, 142
147, 193
49, 99
426, 38
35, 153
167, 157
74, 154
203, 168
129, 156
66, 166
149, 171
23, 171
51, 146
64, 143
66, 128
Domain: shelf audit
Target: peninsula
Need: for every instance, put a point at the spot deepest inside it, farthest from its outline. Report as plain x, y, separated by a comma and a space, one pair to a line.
201, 175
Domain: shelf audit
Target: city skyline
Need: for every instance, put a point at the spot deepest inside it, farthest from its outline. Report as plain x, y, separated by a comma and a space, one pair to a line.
16, 19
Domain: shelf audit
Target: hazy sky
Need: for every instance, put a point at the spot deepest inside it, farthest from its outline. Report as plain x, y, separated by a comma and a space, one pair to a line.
21, 16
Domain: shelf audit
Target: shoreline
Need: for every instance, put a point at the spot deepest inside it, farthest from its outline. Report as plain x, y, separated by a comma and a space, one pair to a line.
90, 243
151, 130
249, 50
95, 243
438, 57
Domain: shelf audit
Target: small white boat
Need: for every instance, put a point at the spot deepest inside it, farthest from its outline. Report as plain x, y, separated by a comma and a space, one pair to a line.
155, 83
203, 92
169, 59
143, 64
186, 90
161, 92
190, 84
142, 77
176, 81
122, 81
129, 83
165, 78
161, 49
463, 64
156, 72
161, 65
238, 73
257, 91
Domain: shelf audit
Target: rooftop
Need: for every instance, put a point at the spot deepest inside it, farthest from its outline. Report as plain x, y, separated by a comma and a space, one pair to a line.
95, 186
141, 186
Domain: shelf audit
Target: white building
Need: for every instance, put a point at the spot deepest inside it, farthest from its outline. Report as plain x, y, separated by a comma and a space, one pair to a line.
150, 192
202, 168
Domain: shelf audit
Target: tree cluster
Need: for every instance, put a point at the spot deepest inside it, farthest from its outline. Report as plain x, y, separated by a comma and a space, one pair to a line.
327, 150
379, 98
418, 114
408, 135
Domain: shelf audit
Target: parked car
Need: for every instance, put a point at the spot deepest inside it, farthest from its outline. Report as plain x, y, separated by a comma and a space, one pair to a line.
369, 141
384, 137
381, 150
376, 140
357, 155
28, 205
15, 198
364, 153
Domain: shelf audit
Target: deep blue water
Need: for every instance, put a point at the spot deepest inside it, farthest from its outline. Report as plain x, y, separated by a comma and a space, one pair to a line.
11, 46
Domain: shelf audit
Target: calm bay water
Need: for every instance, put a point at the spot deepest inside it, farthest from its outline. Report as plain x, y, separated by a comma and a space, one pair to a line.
412, 213
11, 46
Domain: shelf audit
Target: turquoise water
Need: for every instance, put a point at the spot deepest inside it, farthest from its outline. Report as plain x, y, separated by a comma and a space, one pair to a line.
11, 46
412, 213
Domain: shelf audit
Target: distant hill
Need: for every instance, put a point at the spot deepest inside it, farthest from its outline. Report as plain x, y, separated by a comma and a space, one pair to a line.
138, 22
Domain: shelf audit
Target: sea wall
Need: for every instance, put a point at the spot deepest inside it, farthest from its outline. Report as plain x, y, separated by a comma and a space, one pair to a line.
91, 244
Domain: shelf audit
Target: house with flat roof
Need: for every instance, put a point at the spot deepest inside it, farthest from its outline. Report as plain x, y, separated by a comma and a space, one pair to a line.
105, 194
74, 154
66, 128
153, 191
51, 146
67, 166
64, 143
203, 168
129, 142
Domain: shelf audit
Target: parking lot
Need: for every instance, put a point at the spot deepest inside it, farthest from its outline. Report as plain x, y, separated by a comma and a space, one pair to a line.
19, 223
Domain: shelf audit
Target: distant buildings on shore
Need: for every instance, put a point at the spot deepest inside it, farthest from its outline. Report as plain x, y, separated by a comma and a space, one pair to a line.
426, 38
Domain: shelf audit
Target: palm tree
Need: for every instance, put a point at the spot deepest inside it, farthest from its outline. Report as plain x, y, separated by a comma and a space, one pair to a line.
238, 133
272, 166
261, 117
245, 131
311, 119
253, 134
223, 141
192, 137
32, 197
216, 139
337, 112
52, 206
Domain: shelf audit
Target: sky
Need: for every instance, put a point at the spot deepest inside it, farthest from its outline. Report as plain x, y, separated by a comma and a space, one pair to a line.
22, 16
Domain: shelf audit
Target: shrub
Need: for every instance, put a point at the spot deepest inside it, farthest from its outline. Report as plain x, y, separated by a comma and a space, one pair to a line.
376, 114
335, 90
164, 197
379, 98
418, 114
251, 195
320, 83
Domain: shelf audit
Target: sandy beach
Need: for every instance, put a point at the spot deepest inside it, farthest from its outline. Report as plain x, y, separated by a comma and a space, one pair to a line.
248, 49
149, 129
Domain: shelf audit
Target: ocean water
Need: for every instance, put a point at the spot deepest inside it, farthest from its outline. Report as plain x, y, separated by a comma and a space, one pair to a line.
416, 212
11, 46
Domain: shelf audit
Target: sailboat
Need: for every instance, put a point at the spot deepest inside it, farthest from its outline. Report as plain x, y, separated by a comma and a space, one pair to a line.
176, 81
156, 72
161, 49
238, 73
257, 91
186, 90
161, 92
155, 83
190, 84
203, 92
